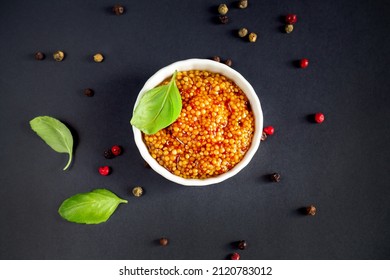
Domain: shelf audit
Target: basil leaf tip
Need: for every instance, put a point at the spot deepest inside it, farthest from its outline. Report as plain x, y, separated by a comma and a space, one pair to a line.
158, 108
55, 134
94, 207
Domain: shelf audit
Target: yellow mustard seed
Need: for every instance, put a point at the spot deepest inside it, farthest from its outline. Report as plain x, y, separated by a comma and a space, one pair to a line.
242, 4
289, 28
252, 37
223, 9
137, 191
98, 57
59, 56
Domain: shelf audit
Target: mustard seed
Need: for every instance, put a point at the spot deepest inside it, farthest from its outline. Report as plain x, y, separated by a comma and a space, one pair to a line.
242, 32
89, 92
252, 37
59, 56
164, 241
223, 9
137, 191
217, 58
311, 210
98, 57
289, 28
229, 62
224, 19
118, 9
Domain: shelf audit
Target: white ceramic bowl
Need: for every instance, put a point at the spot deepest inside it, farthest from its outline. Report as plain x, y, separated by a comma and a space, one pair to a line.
212, 66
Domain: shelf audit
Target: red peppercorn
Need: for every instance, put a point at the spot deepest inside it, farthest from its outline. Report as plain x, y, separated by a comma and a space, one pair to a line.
269, 130
304, 62
116, 150
291, 18
104, 170
235, 256
319, 117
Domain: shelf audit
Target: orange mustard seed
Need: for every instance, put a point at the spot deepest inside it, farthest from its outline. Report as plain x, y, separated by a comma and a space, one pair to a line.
214, 129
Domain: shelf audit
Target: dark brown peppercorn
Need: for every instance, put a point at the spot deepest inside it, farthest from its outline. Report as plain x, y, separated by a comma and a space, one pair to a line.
217, 58
311, 210
164, 241
118, 9
88, 92
229, 62
264, 136
275, 177
108, 154
39, 56
224, 19
241, 245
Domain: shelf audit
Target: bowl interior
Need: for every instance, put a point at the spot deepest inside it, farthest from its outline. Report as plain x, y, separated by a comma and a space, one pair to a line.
212, 66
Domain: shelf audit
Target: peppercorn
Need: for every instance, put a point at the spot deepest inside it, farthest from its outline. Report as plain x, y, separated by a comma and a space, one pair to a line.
39, 56
118, 9
164, 241
311, 210
223, 9
224, 19
108, 154
289, 28
303, 63
242, 32
252, 37
229, 62
291, 19
116, 150
241, 245
263, 136
137, 191
275, 177
98, 57
319, 117
217, 58
59, 56
89, 92
235, 256
104, 170
242, 4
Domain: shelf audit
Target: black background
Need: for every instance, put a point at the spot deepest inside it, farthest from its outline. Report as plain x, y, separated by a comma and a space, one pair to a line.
341, 166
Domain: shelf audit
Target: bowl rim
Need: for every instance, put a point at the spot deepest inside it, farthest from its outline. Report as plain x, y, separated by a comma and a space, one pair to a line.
216, 67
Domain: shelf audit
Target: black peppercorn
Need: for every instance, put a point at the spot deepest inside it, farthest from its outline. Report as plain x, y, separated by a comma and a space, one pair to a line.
224, 19
108, 154
229, 62
241, 245
164, 241
88, 92
217, 58
275, 177
39, 56
264, 136
118, 9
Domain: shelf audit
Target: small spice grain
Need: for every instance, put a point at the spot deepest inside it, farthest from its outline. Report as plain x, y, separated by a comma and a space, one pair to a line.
242, 245
224, 19
39, 56
222, 9
108, 154
137, 191
217, 58
311, 210
89, 92
118, 9
164, 241
229, 62
264, 136
235, 256
289, 28
275, 177
242, 4
59, 56
242, 32
98, 57
252, 37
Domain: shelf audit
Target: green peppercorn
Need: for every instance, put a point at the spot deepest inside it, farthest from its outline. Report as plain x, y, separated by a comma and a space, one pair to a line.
242, 4
289, 28
59, 56
242, 32
137, 191
223, 9
252, 37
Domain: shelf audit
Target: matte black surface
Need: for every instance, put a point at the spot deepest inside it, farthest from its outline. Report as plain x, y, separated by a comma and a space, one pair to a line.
341, 166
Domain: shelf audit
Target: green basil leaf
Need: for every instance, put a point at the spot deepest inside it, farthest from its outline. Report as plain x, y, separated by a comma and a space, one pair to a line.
94, 207
55, 134
158, 108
